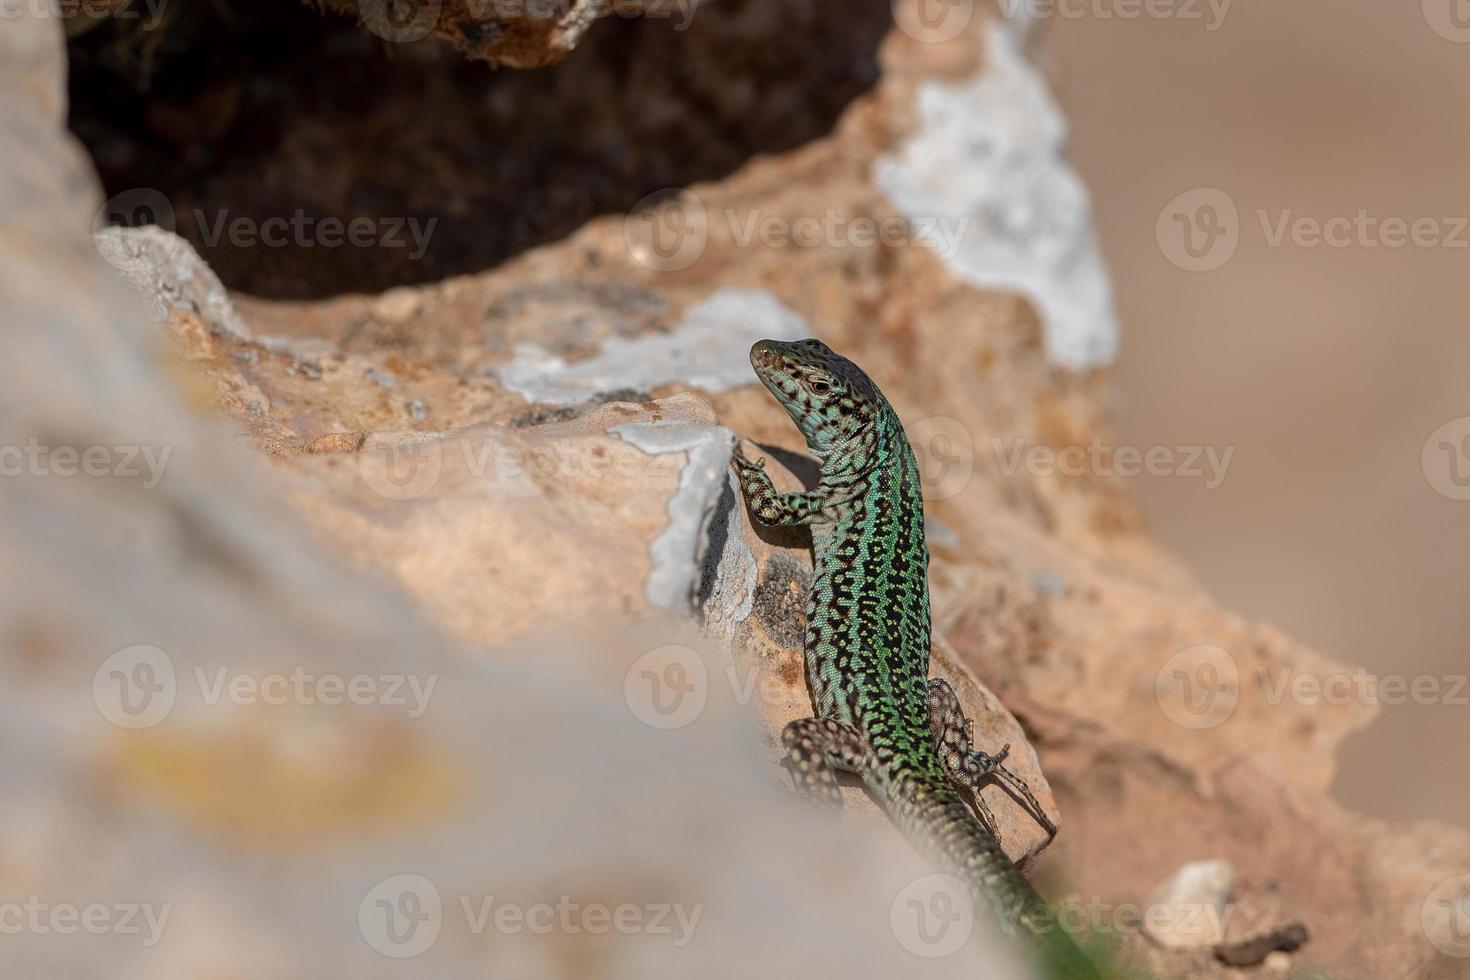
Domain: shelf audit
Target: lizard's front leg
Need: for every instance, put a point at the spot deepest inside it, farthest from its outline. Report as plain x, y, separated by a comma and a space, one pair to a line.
816, 749
954, 740
766, 505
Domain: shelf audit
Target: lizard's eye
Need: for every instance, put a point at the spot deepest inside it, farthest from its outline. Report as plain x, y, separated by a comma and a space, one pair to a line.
819, 386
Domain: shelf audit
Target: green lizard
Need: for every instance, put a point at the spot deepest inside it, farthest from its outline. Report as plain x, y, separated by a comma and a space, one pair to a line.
878, 713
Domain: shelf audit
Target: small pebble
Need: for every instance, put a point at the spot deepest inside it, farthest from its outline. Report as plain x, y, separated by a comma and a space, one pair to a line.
1278, 962
417, 410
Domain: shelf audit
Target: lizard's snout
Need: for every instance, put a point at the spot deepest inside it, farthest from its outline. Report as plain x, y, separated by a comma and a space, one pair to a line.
763, 354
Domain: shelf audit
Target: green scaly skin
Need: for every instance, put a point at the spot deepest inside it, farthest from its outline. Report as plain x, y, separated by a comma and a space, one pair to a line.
868, 636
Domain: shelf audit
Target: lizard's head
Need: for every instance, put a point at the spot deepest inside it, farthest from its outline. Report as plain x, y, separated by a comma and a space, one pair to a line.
831, 400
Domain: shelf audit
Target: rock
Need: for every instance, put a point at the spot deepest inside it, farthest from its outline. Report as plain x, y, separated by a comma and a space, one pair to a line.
575, 493
1262, 946
1257, 926
708, 349
505, 534
984, 178
1188, 910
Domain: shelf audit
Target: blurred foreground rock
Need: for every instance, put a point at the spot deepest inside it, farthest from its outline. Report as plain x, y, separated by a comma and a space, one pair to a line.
506, 494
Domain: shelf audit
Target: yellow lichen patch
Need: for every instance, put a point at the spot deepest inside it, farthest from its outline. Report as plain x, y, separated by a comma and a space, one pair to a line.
181, 362
293, 784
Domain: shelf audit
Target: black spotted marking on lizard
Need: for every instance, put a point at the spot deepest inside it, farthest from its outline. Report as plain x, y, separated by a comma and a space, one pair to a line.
868, 631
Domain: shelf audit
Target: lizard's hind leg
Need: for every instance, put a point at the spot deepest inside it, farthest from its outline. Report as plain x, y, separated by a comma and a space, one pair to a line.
816, 749
954, 740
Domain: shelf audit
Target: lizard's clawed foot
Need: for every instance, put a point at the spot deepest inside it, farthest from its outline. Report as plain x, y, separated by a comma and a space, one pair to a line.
742, 462
954, 740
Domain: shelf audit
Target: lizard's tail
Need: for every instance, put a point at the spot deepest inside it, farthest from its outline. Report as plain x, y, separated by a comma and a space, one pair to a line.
938, 818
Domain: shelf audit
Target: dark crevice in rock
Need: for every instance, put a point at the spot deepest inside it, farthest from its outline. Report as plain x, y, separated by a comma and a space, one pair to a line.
270, 110
716, 536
